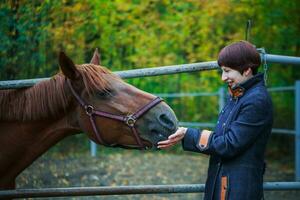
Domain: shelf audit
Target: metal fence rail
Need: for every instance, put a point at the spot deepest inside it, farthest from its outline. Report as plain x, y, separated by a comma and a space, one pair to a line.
156, 71
212, 125
126, 190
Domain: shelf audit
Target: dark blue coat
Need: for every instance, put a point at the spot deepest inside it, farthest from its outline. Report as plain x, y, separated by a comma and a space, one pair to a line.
237, 145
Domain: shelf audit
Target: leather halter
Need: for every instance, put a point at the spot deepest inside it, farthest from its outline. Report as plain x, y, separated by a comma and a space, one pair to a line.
129, 120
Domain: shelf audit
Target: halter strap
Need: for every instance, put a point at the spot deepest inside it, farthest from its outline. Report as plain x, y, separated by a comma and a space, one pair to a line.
129, 120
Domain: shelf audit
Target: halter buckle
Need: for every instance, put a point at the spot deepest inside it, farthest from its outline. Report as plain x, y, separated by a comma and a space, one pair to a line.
130, 120
89, 110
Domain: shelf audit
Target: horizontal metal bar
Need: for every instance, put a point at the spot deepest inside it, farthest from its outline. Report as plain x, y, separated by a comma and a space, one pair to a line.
192, 94
270, 186
14, 84
125, 190
196, 94
197, 124
211, 125
281, 89
284, 131
89, 191
156, 71
271, 58
166, 70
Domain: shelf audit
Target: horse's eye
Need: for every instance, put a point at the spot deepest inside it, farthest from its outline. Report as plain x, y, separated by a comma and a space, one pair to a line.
104, 93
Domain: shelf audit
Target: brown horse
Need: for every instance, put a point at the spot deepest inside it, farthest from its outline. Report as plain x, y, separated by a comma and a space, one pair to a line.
82, 98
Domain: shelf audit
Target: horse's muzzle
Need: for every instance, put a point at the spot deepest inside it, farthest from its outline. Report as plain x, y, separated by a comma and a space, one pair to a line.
163, 124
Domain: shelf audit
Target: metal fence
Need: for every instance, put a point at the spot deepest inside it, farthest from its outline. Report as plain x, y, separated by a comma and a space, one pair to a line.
221, 96
88, 191
126, 190
156, 71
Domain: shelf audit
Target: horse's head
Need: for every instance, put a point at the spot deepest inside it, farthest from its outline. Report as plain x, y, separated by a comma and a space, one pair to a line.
113, 112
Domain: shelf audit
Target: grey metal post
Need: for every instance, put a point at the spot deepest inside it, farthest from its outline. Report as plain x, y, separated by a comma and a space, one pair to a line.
221, 98
93, 148
297, 127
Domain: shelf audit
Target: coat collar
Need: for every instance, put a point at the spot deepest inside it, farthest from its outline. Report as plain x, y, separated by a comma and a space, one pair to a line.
240, 89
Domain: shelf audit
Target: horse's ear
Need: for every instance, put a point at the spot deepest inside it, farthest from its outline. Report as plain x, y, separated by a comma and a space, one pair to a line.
68, 67
96, 58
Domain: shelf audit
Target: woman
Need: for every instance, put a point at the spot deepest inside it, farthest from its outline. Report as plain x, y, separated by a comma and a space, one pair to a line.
238, 142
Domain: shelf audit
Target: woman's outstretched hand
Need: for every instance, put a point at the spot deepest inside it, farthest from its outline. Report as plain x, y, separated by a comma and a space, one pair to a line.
173, 139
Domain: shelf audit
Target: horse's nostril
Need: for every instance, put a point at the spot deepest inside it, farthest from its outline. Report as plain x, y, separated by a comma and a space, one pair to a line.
166, 121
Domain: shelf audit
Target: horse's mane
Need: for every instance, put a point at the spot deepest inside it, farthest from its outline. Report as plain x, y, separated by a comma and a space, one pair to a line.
49, 99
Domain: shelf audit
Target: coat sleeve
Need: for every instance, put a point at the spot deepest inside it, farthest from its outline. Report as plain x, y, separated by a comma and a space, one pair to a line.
241, 133
190, 140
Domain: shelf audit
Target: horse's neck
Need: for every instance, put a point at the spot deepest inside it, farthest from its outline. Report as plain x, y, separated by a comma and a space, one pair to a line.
23, 142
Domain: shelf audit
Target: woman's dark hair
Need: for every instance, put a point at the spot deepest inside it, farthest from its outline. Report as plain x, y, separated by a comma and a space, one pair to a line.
240, 56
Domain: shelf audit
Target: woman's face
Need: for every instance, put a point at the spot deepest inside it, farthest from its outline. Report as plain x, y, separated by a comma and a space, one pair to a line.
232, 77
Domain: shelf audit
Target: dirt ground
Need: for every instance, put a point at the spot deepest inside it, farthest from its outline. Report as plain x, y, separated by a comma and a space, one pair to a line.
130, 167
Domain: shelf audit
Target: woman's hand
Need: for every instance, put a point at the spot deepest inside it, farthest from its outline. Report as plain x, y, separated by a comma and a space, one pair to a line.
173, 139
